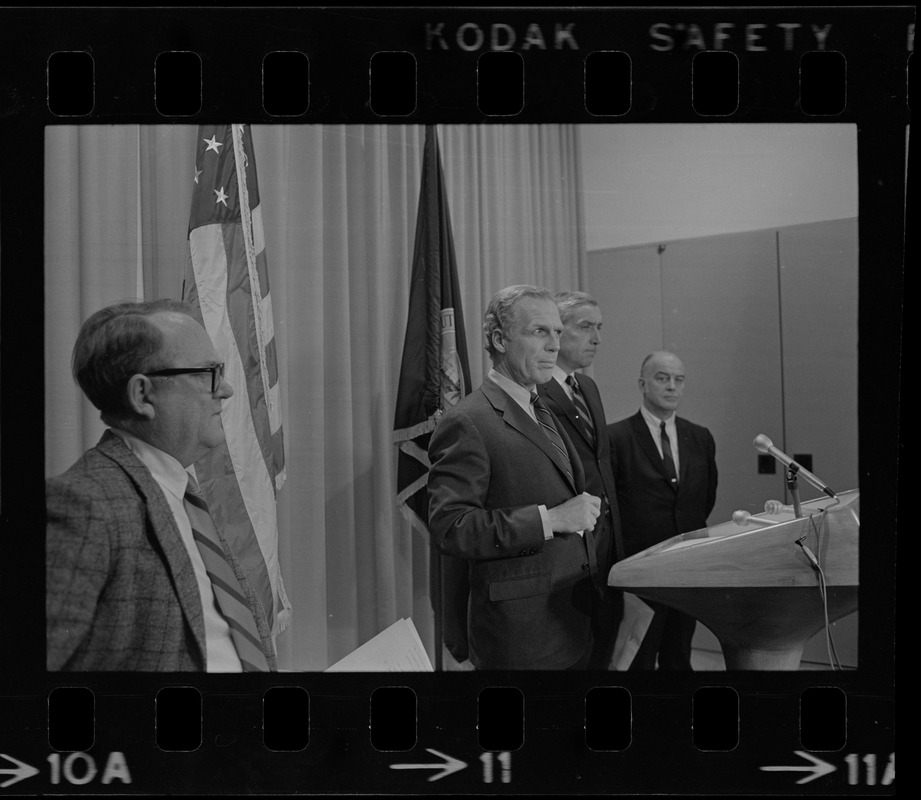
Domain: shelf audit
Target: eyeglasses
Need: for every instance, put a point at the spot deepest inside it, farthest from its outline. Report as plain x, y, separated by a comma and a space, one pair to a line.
217, 373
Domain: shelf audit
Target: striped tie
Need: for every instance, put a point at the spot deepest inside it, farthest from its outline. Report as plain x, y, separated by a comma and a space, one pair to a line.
545, 418
582, 411
230, 597
667, 460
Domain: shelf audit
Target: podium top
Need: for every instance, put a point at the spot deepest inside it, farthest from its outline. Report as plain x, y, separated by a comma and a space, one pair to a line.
761, 552
818, 506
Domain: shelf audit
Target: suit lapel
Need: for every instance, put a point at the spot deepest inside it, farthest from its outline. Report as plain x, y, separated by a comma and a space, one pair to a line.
165, 531
643, 435
514, 416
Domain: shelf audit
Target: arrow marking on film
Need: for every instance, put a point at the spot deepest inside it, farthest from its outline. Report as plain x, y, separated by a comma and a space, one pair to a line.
818, 768
20, 772
448, 766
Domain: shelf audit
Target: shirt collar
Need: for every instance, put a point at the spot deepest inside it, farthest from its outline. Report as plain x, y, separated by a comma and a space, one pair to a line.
518, 393
653, 421
561, 375
165, 469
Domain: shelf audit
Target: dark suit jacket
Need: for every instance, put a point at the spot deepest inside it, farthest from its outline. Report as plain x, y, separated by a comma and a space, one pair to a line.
530, 599
596, 461
651, 510
121, 592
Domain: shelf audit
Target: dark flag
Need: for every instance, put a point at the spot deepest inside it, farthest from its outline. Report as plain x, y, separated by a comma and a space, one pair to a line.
434, 375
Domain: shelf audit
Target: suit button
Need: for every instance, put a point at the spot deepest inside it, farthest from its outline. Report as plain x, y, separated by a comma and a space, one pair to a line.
523, 553
584, 567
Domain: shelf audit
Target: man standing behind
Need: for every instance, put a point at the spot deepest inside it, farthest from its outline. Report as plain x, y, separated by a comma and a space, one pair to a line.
575, 401
506, 493
665, 473
137, 575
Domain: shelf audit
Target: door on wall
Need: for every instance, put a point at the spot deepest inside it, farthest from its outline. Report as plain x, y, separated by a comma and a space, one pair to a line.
766, 325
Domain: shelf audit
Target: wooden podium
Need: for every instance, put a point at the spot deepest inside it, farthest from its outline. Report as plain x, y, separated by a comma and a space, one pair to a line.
752, 584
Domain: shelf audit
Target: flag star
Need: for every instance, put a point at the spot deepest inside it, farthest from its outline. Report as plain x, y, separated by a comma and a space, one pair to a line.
197, 173
221, 197
213, 144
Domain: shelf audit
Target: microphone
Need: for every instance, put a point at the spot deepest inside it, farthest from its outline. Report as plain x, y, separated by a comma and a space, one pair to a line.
743, 518
763, 444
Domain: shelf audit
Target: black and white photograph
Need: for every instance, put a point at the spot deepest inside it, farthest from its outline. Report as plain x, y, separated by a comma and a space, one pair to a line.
453, 400
312, 256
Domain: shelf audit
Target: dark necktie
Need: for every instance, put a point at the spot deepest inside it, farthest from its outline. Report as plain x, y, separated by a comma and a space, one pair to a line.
667, 459
545, 419
230, 597
582, 411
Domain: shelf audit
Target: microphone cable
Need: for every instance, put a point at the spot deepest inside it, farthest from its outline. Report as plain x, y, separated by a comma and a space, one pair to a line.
833, 659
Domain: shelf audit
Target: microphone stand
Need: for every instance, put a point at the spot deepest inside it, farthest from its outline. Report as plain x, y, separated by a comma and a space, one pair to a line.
794, 490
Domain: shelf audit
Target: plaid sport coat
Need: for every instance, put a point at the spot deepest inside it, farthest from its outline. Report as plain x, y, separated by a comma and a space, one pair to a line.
121, 592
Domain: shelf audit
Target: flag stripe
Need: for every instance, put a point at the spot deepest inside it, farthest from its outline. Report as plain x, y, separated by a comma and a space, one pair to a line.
262, 270
259, 283
273, 367
278, 447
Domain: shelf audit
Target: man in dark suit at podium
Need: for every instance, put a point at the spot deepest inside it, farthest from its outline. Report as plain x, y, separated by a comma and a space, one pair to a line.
665, 473
576, 403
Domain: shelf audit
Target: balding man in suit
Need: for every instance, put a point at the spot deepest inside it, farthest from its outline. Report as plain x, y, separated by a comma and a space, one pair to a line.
665, 472
576, 403
506, 494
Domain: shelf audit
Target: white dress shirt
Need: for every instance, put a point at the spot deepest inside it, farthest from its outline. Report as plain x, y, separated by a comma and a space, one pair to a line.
654, 424
520, 394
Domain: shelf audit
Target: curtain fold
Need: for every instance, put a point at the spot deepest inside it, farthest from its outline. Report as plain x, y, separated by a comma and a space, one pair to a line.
339, 210
90, 261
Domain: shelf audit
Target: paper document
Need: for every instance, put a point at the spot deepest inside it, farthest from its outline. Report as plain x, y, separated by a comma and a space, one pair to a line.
396, 649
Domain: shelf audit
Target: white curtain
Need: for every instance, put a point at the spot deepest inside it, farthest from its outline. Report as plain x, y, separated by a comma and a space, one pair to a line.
339, 207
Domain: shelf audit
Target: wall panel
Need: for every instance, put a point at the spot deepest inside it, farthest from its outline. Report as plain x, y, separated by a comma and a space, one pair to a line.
628, 287
818, 290
722, 319
766, 325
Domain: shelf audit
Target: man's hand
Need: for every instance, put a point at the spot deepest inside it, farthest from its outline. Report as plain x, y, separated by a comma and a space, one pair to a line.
575, 515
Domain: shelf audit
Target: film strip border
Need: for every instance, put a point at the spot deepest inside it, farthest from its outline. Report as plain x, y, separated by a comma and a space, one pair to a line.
463, 65
447, 734
715, 84
354, 733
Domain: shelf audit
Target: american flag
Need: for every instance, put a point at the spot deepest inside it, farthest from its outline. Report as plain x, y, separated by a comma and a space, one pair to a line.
227, 283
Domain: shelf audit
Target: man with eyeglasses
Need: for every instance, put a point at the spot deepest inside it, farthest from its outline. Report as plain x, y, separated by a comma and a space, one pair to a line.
665, 474
138, 577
